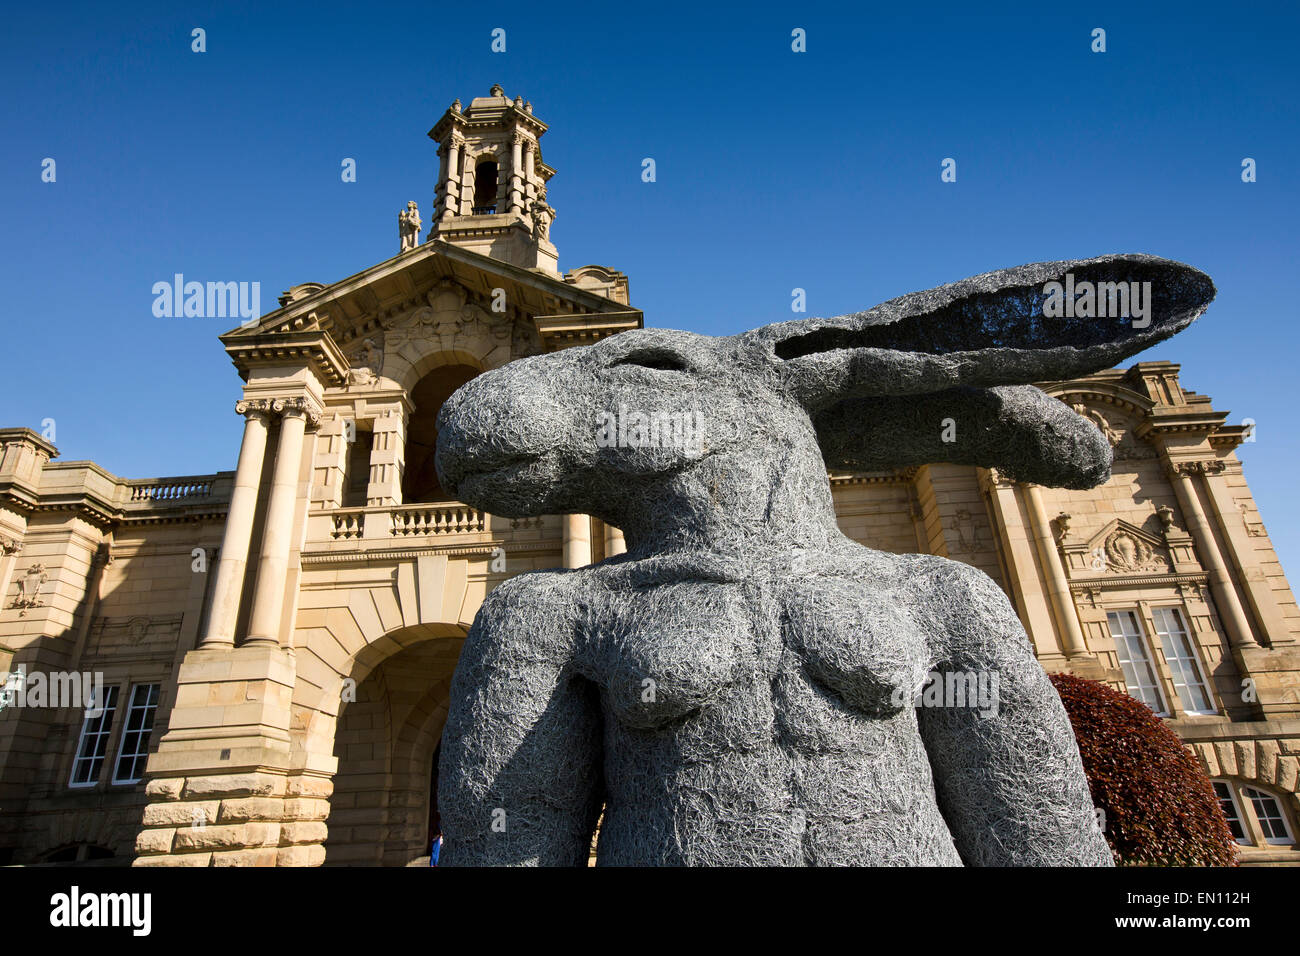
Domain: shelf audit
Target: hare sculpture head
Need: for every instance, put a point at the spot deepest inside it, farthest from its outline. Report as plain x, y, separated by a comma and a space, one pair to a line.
711, 454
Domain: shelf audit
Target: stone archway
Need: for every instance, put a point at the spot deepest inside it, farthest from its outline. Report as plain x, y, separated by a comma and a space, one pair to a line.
384, 742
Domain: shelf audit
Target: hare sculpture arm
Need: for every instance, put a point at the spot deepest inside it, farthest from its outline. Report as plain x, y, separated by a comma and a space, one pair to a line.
520, 770
1006, 766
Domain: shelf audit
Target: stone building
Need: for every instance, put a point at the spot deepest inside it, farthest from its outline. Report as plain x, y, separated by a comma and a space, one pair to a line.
275, 642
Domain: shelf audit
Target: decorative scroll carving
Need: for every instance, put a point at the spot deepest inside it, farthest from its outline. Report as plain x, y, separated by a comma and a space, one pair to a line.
29, 587
299, 405
253, 406
1127, 553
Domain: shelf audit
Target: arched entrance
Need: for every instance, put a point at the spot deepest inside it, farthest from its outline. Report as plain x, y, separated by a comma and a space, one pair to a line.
420, 481
385, 742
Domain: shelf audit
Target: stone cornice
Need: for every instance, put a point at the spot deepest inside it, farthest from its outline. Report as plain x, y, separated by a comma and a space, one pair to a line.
11, 436
565, 331
350, 302
895, 477
368, 555
314, 348
1120, 581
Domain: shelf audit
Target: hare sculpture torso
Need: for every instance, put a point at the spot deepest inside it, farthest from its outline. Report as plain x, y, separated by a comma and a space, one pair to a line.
803, 703
741, 686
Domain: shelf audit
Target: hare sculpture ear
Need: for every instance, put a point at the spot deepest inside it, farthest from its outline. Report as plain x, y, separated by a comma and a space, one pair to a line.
1034, 323
924, 378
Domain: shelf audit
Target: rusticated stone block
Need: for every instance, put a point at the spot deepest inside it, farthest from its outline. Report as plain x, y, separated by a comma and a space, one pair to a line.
235, 785
307, 832
154, 841
168, 788
305, 808
262, 856
187, 814
301, 855
305, 786
231, 837
180, 859
245, 809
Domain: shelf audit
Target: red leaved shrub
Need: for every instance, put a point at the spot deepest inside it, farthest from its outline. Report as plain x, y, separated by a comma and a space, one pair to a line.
1160, 809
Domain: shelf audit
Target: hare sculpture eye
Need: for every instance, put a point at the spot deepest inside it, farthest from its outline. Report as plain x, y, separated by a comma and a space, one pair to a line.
660, 359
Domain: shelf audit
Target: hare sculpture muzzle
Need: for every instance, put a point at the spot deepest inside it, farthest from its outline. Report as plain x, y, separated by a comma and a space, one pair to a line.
737, 688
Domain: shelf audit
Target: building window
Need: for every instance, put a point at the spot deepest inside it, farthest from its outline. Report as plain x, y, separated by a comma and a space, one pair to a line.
134, 751
1180, 655
1272, 822
1130, 647
94, 740
1228, 802
356, 479
485, 188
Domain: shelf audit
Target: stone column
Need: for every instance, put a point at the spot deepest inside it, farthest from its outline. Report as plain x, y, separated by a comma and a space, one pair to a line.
516, 169
467, 167
1022, 569
1059, 586
440, 194
1243, 556
273, 565
614, 541
451, 189
530, 174
577, 541
229, 585
1221, 586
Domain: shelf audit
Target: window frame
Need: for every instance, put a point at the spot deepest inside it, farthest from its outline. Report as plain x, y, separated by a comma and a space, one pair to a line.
1185, 634
1238, 815
1288, 838
145, 735
1144, 644
107, 720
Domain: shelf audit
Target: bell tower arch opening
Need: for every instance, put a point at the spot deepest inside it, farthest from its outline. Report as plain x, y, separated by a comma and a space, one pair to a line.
492, 182
420, 481
485, 187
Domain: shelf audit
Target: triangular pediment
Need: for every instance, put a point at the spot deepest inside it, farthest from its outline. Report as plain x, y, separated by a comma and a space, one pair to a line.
1128, 549
360, 303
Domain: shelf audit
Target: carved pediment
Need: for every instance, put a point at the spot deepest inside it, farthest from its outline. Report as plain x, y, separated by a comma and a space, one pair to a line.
1124, 548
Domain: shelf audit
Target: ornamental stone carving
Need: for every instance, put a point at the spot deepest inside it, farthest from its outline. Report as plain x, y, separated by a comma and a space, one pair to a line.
29, 587
1128, 553
253, 406
299, 405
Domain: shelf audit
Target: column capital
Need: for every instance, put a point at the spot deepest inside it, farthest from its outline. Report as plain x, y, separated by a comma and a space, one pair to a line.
1186, 469
253, 406
299, 405
1000, 479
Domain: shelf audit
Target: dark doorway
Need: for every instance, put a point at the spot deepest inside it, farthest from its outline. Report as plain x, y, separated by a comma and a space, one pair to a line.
420, 480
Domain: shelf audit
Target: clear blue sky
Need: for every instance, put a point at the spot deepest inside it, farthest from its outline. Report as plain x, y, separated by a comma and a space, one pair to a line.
775, 170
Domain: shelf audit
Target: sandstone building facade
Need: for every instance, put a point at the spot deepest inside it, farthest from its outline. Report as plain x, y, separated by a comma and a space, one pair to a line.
275, 642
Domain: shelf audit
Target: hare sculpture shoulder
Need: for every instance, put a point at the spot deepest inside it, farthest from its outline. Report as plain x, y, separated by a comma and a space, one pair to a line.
739, 687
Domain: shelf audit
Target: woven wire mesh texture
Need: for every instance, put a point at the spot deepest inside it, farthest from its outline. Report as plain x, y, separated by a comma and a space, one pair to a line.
746, 685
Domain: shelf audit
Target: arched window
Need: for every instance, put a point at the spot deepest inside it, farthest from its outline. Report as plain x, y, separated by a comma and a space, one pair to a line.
485, 187
420, 480
1253, 814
